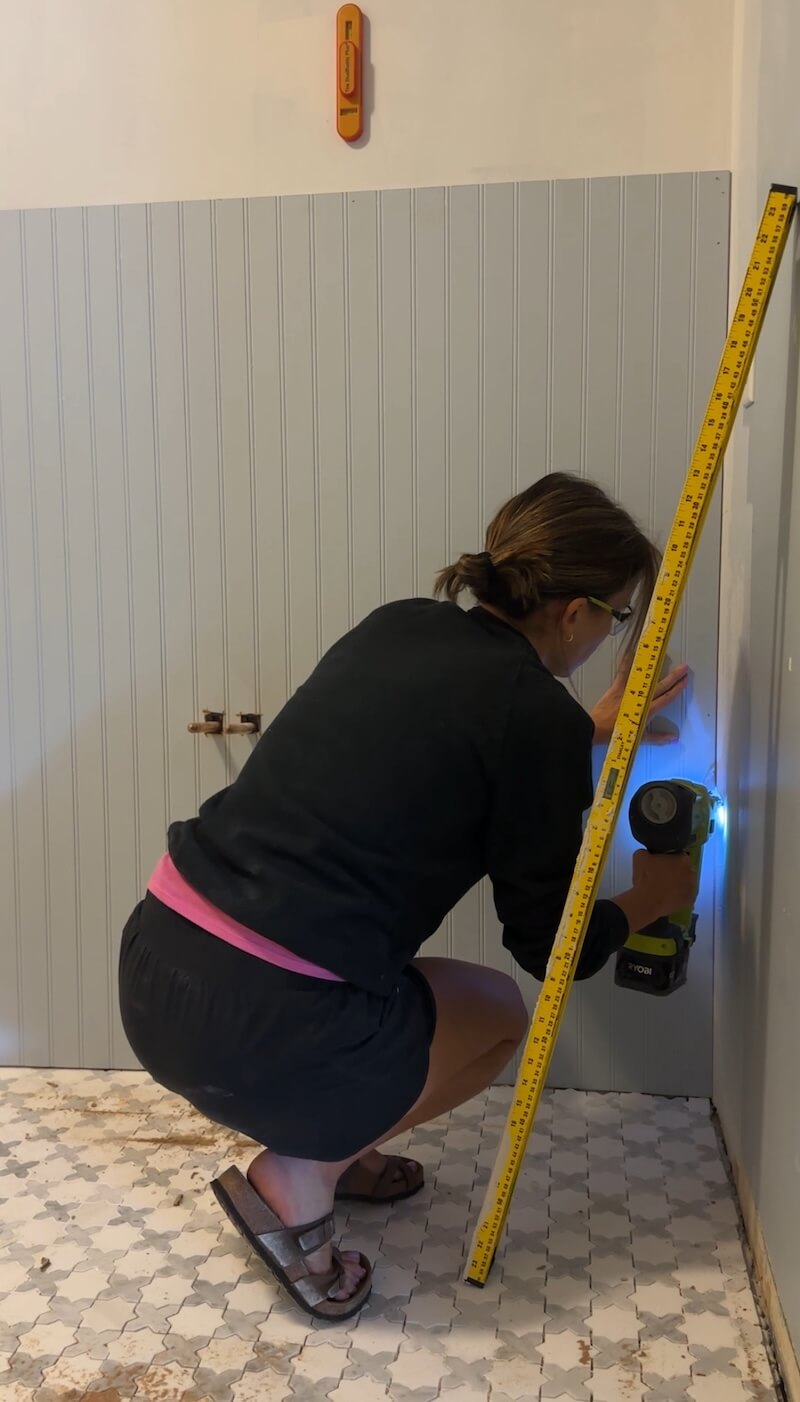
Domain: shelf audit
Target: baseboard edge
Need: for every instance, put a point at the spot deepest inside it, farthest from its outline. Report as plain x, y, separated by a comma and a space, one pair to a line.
764, 1280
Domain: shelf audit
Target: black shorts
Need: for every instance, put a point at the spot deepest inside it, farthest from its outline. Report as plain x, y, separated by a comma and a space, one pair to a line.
308, 1067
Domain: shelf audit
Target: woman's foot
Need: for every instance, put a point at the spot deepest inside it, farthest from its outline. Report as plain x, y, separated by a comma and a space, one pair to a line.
300, 1191
377, 1177
373, 1161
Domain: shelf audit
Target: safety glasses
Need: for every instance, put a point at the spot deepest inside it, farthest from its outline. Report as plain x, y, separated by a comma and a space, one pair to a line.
620, 616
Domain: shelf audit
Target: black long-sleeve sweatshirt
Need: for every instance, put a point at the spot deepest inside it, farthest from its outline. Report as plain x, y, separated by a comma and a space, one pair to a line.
430, 747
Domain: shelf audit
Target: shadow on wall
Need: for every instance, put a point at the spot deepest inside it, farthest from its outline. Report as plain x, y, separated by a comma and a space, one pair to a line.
733, 967
762, 946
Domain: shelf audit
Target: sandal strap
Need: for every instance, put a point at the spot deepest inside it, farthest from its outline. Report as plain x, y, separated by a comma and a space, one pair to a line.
381, 1187
289, 1246
395, 1164
314, 1234
318, 1289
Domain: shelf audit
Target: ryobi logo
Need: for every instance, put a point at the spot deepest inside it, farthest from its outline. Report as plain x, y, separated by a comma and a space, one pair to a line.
642, 969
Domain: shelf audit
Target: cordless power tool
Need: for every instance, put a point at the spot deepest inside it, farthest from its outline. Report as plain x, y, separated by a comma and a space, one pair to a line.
669, 815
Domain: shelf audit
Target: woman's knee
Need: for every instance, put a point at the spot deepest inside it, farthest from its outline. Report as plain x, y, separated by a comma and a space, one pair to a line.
486, 1001
516, 1012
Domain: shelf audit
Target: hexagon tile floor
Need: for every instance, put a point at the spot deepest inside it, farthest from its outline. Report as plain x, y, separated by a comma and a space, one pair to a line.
621, 1278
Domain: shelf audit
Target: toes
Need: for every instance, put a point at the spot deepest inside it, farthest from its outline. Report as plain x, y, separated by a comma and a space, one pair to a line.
400, 1173
351, 1284
351, 1277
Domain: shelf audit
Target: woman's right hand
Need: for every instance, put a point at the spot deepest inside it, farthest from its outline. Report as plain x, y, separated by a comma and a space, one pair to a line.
662, 883
668, 880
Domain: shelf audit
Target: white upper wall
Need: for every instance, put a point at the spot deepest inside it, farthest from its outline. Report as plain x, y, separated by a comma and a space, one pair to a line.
104, 102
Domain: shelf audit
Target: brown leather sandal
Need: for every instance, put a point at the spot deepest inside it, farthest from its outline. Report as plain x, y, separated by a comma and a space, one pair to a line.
401, 1178
283, 1249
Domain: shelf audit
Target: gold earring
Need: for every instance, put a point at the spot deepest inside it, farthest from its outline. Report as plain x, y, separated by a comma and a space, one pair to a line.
570, 639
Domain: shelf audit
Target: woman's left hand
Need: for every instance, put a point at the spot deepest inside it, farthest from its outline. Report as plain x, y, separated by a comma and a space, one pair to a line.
668, 689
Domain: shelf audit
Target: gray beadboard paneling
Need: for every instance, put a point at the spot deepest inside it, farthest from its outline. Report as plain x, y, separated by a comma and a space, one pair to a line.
201, 410
270, 497
172, 504
299, 416
236, 459
397, 459
26, 789
230, 429
332, 419
364, 283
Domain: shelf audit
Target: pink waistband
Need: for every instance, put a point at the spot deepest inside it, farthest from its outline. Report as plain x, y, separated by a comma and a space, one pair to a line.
169, 887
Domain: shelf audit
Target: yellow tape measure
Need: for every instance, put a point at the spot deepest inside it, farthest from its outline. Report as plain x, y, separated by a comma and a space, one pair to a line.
704, 468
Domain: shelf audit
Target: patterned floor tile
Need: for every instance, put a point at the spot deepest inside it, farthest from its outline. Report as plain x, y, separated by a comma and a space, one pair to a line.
613, 1384
621, 1275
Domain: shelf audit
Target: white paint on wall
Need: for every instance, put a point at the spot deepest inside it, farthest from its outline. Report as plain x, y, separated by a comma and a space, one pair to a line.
104, 102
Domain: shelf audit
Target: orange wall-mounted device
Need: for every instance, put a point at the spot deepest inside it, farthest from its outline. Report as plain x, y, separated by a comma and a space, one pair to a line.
349, 48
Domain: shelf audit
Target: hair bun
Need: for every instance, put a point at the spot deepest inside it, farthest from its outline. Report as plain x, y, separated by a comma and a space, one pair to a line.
521, 583
469, 565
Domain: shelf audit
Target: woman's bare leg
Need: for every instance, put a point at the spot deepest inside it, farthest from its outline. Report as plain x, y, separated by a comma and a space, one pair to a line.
480, 1022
